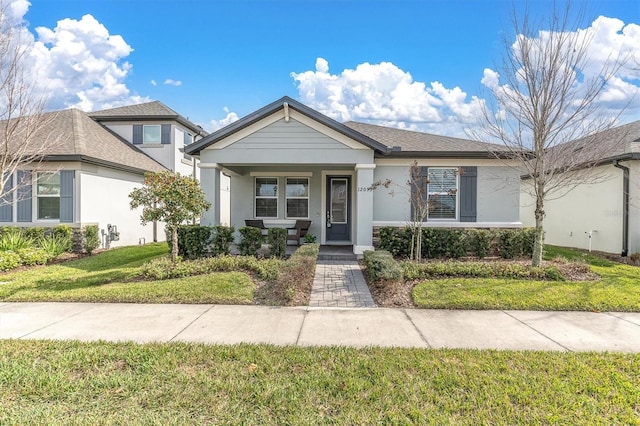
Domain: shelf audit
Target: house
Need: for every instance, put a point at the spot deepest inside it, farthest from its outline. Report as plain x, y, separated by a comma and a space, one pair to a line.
287, 161
603, 213
91, 163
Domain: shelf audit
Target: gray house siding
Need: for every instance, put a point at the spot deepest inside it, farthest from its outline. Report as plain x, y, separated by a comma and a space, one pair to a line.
287, 143
497, 195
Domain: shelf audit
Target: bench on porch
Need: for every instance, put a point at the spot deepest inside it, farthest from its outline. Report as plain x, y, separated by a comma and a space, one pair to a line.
301, 228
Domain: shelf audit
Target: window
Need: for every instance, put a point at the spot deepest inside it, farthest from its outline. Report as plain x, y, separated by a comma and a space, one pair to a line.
442, 191
48, 196
188, 139
152, 134
297, 193
266, 197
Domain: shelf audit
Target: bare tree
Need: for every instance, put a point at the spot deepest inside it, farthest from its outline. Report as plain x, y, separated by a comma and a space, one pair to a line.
545, 110
23, 139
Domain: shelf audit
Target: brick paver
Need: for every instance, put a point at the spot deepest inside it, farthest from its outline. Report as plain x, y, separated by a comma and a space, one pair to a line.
340, 284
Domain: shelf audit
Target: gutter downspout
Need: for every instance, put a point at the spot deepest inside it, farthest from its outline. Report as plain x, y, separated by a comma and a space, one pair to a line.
625, 207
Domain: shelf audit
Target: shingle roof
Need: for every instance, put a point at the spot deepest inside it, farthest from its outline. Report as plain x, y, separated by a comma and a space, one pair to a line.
154, 110
417, 142
72, 135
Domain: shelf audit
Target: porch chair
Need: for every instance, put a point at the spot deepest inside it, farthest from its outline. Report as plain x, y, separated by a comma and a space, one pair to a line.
301, 228
257, 223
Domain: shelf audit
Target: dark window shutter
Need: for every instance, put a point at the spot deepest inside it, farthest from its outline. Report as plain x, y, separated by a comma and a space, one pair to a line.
6, 202
165, 134
423, 175
67, 178
24, 196
468, 194
137, 134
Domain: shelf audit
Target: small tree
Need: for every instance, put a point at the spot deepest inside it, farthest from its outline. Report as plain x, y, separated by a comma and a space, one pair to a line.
171, 198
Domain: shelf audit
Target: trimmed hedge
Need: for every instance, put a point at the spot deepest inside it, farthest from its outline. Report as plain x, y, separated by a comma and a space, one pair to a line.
196, 241
380, 265
297, 273
90, 238
250, 240
277, 240
455, 243
431, 270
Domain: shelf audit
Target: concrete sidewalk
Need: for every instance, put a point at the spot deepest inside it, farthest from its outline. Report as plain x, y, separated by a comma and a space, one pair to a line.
222, 324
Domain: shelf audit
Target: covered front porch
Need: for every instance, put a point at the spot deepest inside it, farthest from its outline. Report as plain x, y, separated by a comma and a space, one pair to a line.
336, 199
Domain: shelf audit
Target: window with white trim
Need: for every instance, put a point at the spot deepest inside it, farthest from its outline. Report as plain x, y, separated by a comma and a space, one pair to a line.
48, 195
442, 191
151, 133
266, 197
187, 140
297, 198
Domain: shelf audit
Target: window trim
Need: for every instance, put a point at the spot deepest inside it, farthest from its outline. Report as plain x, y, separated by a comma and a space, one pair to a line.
287, 198
457, 195
36, 198
159, 142
256, 197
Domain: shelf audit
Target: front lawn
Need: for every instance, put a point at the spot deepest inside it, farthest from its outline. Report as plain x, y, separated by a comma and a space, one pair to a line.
120, 383
618, 289
114, 276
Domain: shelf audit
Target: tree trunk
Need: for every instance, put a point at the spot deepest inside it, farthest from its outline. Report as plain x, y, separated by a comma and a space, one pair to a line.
538, 244
174, 244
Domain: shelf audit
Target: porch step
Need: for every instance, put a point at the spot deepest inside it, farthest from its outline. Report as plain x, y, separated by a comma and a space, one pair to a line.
337, 253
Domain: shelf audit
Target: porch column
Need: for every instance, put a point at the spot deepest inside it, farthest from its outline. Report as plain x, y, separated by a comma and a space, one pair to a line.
210, 183
364, 208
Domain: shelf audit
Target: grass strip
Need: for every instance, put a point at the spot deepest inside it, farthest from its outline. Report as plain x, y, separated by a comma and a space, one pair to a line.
119, 383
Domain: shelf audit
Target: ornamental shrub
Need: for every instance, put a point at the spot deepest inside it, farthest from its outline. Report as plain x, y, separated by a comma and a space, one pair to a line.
528, 240
54, 245
65, 234
250, 240
90, 238
380, 265
453, 269
36, 233
277, 240
480, 242
222, 239
295, 275
34, 256
510, 243
9, 260
13, 239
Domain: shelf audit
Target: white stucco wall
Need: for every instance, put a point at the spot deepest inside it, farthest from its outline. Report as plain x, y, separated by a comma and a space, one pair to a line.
104, 199
595, 208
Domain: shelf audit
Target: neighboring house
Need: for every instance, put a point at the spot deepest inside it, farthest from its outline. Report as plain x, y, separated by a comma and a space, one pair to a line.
604, 214
288, 161
91, 164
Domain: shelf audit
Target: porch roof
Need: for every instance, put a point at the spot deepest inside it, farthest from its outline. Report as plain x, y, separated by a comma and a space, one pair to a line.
196, 147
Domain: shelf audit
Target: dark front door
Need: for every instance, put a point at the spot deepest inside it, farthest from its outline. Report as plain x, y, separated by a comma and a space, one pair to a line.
338, 211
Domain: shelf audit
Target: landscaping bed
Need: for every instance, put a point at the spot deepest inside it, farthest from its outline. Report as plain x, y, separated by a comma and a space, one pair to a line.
567, 280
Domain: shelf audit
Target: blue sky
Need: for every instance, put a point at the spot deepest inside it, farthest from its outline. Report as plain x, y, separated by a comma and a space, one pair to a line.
214, 61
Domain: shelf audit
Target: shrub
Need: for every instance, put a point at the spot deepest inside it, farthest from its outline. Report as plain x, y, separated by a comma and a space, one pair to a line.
380, 265
193, 241
395, 240
528, 240
277, 240
9, 260
510, 243
54, 245
222, 239
311, 250
34, 256
250, 240
36, 233
431, 270
65, 234
13, 239
90, 238
480, 242
310, 239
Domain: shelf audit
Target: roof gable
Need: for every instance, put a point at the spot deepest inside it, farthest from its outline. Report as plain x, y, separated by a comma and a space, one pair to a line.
285, 103
148, 111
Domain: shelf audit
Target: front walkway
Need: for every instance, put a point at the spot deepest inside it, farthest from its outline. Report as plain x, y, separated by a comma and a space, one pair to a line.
340, 284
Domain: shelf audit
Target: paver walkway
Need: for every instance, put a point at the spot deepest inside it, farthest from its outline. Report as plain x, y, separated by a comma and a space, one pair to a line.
340, 284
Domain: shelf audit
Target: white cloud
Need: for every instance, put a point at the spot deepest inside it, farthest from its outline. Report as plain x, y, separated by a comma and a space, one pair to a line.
385, 94
172, 82
77, 63
219, 124
153, 83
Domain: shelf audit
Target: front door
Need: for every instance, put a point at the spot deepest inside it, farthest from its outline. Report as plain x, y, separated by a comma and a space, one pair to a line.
338, 212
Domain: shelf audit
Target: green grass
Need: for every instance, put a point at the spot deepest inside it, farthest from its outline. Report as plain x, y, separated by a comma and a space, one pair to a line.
113, 276
120, 383
617, 290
